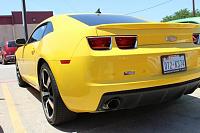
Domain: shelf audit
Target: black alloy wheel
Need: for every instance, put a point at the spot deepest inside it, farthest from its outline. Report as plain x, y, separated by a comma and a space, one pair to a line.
55, 110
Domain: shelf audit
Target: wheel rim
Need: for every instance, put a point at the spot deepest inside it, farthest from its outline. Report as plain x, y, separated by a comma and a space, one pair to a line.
47, 94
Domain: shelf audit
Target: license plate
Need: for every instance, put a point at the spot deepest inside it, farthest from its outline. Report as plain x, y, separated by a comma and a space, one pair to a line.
173, 63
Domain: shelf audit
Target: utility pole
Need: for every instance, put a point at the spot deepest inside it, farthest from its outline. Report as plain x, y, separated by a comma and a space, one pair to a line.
194, 10
24, 19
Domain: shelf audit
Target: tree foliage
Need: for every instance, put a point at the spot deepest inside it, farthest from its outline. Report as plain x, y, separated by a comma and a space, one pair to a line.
183, 13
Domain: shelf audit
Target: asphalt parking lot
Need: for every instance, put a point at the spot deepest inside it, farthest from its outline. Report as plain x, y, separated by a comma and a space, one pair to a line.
21, 111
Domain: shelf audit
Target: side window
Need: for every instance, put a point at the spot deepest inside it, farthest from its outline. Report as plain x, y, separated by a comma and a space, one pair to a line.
49, 28
38, 34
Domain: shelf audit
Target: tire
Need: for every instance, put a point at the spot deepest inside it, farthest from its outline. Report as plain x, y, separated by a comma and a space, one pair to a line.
54, 108
21, 82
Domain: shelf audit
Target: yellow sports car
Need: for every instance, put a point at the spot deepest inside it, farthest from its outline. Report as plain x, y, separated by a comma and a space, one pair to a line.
104, 62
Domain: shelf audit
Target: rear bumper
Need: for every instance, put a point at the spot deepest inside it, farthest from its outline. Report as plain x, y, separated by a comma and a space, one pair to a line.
80, 95
93, 75
147, 96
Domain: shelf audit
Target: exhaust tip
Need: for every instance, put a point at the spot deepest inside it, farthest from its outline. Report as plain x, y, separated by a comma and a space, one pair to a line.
112, 104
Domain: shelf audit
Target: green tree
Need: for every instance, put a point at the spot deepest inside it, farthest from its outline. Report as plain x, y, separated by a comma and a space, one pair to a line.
183, 13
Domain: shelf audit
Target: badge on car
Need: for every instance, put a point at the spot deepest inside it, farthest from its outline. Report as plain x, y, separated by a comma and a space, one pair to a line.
129, 73
173, 63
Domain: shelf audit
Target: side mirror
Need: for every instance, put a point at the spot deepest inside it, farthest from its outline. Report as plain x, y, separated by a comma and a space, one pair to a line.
20, 42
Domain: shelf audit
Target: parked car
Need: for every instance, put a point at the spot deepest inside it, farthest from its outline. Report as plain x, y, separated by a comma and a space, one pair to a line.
7, 53
194, 20
104, 62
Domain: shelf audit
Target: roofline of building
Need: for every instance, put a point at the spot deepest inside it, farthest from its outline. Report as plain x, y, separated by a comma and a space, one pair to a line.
33, 17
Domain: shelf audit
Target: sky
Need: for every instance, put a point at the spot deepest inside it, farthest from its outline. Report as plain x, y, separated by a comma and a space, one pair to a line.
107, 6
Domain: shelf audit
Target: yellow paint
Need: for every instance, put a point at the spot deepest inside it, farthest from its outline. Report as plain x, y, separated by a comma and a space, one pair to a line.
15, 118
92, 73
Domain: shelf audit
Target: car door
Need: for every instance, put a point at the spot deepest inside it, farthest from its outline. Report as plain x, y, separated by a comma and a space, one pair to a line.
30, 55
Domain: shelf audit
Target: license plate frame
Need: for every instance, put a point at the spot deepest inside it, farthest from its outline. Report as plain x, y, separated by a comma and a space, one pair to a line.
166, 64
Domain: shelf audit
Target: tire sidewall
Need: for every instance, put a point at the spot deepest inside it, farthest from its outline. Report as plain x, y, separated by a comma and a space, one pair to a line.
54, 87
61, 112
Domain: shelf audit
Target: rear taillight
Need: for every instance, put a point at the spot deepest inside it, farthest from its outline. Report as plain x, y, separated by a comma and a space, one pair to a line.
126, 42
196, 38
100, 43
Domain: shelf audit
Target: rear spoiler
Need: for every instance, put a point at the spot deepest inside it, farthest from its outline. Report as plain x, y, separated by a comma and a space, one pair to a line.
138, 26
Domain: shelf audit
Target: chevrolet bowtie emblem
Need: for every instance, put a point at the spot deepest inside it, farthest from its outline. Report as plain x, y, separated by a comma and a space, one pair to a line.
171, 38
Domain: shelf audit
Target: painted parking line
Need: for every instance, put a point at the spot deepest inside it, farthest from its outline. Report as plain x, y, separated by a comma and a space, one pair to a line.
14, 116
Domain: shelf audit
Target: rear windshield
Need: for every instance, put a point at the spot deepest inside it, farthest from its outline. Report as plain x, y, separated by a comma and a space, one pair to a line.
12, 44
94, 19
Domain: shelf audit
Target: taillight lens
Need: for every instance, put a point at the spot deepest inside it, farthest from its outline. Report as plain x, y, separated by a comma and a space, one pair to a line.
100, 43
126, 42
196, 38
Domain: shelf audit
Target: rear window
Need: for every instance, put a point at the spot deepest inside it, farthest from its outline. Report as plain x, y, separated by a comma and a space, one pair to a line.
12, 44
94, 19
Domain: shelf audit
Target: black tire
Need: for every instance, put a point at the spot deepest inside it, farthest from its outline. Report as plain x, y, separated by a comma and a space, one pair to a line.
21, 82
54, 108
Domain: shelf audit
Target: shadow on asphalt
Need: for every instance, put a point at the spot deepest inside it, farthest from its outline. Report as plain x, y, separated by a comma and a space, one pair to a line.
1, 130
182, 115
35, 93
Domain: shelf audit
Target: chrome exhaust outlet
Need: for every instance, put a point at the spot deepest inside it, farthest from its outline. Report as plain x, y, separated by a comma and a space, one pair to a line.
111, 104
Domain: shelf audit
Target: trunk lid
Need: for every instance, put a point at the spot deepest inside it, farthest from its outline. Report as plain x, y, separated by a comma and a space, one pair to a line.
151, 33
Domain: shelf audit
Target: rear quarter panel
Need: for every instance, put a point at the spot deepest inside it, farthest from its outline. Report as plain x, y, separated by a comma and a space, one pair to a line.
63, 41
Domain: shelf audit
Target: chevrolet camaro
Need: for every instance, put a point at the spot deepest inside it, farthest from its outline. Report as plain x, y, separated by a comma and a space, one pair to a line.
103, 62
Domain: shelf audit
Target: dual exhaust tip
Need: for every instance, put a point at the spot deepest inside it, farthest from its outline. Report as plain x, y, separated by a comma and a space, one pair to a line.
111, 104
